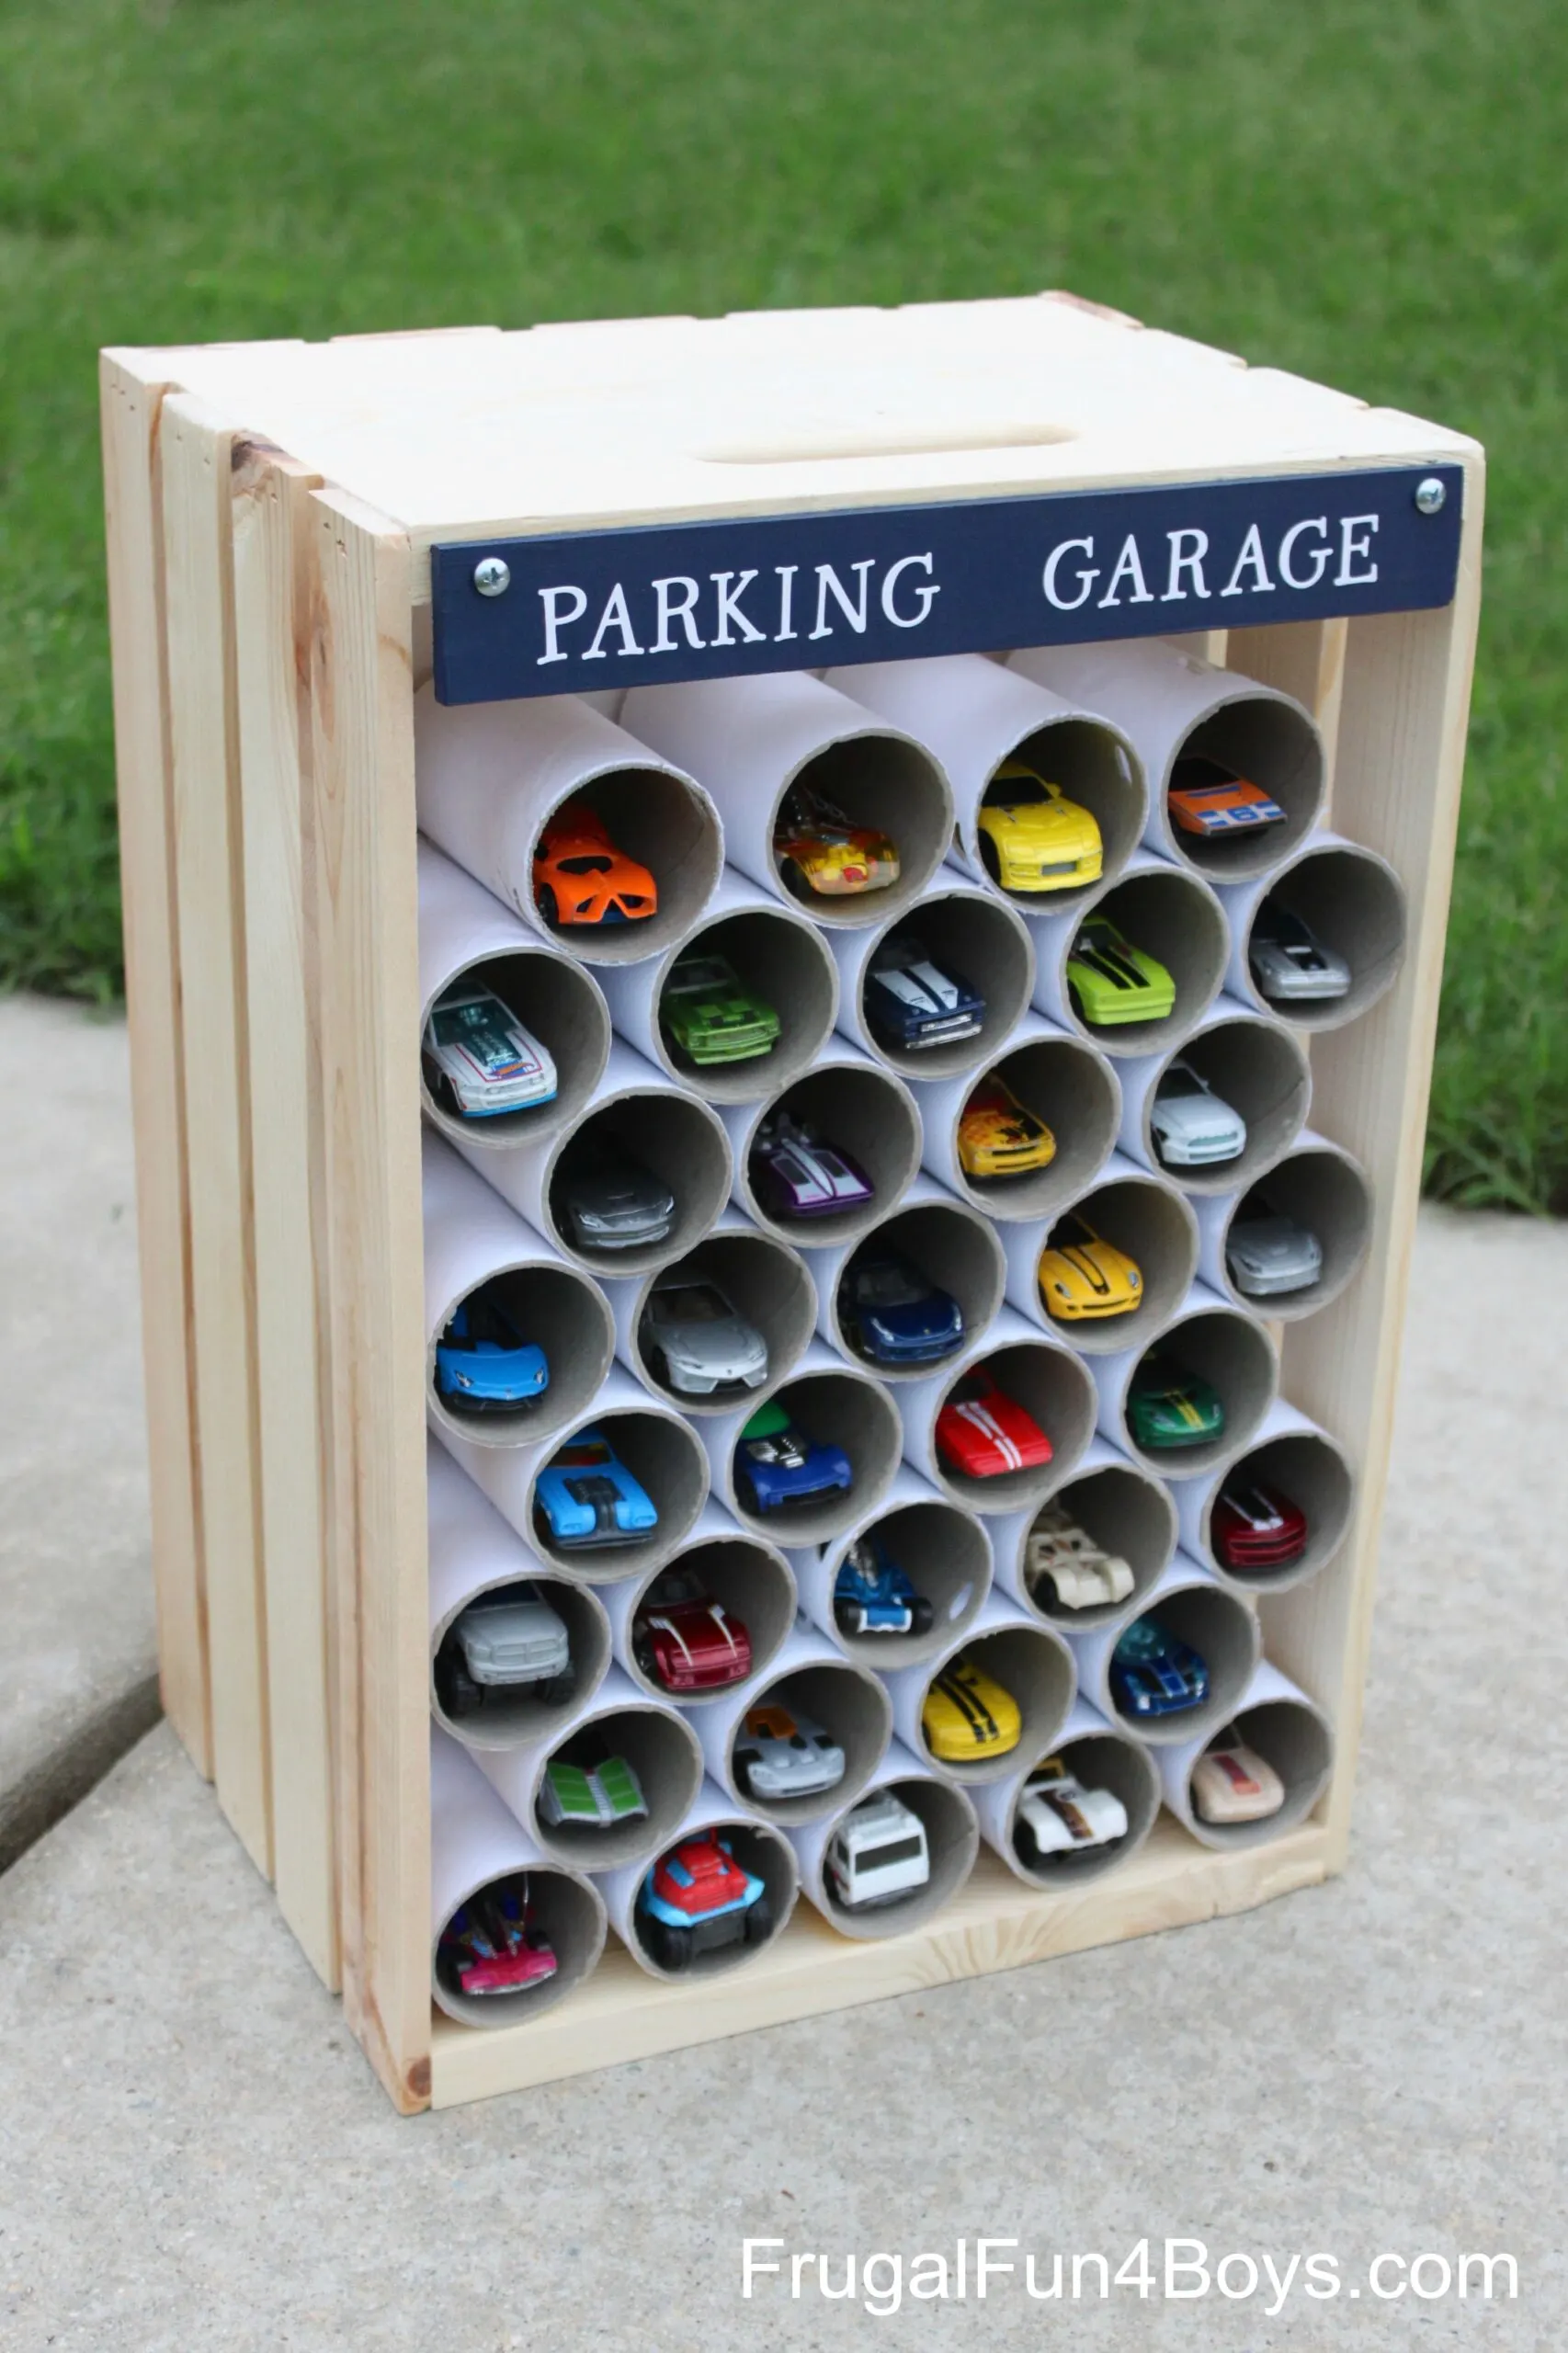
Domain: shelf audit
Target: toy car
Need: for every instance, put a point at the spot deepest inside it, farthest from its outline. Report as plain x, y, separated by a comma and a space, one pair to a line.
998, 1137
586, 1495
1192, 1126
877, 1854
1153, 1673
1113, 981
684, 1640
982, 1432
478, 1059
783, 1754
698, 1341
492, 1945
871, 1594
580, 876
1167, 1408
708, 1015
1212, 801
967, 1715
1065, 1569
697, 1899
595, 1797
1083, 1278
913, 1002
820, 852
1270, 1254
889, 1312
1254, 1527
506, 1642
483, 1365
612, 1203
795, 1172
1230, 1782
775, 1464
1032, 837
1289, 962
1056, 1816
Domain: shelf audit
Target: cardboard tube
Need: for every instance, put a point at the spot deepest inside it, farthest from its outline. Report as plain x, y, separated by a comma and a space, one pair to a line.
968, 932
473, 1242
489, 774
952, 1244
1171, 703
810, 1678
1288, 1731
847, 1100
656, 1741
833, 1403
952, 1839
1228, 1350
1291, 1455
1103, 1757
1066, 1083
1121, 1507
1351, 900
1323, 1190
655, 1443
759, 1849
750, 739
474, 1842
1253, 1063
944, 1549
776, 953
464, 934
473, 1552
1135, 1212
1193, 1606
1046, 1378
750, 1579
1173, 916
1030, 1660
975, 714
764, 1280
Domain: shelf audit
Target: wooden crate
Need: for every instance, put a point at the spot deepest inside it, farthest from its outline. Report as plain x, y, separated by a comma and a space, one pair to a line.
272, 513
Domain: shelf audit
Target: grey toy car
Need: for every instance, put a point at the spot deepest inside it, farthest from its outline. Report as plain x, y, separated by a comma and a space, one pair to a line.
504, 1642
1291, 964
697, 1341
1267, 1254
614, 1203
784, 1753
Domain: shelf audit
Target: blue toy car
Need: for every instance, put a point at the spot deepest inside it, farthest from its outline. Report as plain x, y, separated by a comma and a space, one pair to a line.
586, 1495
483, 1365
912, 1001
871, 1594
1153, 1674
893, 1315
775, 1464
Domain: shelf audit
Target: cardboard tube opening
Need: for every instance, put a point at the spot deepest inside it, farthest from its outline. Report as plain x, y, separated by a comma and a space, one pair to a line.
565, 1913
766, 1283
655, 817
852, 1709
886, 784
952, 1840
667, 1462
551, 1307
664, 1755
786, 965
558, 1004
1035, 1666
867, 1115
1172, 918
944, 1552
493, 1715
1071, 1087
1099, 1760
676, 1143
1126, 1513
846, 1410
1231, 1354
1354, 904
1290, 1735
1091, 762
1054, 1389
956, 1251
1304, 1468
1223, 1631
975, 939
1322, 1191
1148, 1223
764, 1854
1273, 744
1260, 1070
752, 1585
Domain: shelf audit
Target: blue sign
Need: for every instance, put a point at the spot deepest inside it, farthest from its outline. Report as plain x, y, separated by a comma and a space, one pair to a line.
578, 610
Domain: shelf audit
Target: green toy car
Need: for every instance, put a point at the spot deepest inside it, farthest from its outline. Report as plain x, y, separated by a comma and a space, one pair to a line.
709, 1016
1167, 1408
1114, 982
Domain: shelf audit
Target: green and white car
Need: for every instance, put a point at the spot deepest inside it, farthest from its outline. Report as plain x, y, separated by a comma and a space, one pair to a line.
595, 1796
1113, 981
709, 1016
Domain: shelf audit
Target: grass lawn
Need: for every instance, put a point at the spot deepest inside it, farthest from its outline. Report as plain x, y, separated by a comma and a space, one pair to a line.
1374, 197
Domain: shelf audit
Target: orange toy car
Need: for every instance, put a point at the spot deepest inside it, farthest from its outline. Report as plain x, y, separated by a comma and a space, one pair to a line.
580, 877
1211, 802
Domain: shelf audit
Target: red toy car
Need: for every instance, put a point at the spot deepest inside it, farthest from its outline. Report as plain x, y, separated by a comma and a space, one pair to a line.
981, 1431
697, 1899
580, 877
491, 1945
1257, 1528
685, 1640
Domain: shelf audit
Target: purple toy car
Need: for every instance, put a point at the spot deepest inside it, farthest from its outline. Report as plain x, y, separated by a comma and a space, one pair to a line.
796, 1173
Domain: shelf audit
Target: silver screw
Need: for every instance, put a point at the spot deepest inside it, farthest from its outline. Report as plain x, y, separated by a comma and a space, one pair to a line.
1431, 495
493, 578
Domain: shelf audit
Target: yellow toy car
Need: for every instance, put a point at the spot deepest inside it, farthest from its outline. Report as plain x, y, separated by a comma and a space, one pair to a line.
820, 852
998, 1138
968, 1716
1032, 837
1081, 1276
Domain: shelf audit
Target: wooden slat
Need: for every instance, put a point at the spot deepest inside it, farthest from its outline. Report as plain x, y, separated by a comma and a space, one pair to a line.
288, 1162
134, 531
362, 775
193, 471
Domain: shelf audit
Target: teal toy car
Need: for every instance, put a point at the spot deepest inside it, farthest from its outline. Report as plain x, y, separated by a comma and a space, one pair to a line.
709, 1016
1168, 1408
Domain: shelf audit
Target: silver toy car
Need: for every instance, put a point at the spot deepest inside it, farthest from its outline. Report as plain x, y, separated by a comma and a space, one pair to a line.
615, 1204
1289, 962
1269, 1254
478, 1059
1193, 1127
506, 1642
698, 1341
782, 1753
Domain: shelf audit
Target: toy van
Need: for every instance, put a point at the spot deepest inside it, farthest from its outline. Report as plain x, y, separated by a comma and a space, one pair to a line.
877, 1854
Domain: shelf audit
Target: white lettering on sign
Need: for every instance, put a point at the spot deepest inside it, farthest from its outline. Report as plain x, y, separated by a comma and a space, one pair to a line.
1301, 560
666, 615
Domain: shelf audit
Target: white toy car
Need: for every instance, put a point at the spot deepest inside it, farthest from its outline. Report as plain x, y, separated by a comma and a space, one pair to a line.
1065, 1569
1230, 1782
506, 1642
1056, 1816
698, 1341
783, 1754
1193, 1127
877, 1854
478, 1059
